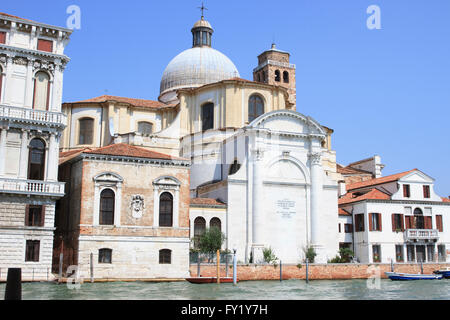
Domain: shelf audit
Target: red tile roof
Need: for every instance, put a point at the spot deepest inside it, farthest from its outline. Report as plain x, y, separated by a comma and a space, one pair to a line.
126, 150
134, 102
373, 194
378, 181
15, 17
206, 202
66, 156
445, 200
342, 212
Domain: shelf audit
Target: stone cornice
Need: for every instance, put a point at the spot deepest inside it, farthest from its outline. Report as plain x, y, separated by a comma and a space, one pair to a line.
34, 23
32, 54
172, 162
417, 202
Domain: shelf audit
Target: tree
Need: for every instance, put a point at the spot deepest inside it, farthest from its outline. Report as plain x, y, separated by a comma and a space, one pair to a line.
210, 241
310, 254
269, 256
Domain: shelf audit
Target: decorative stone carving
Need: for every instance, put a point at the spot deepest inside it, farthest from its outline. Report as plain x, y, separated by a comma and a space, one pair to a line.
316, 158
258, 154
20, 61
137, 206
44, 65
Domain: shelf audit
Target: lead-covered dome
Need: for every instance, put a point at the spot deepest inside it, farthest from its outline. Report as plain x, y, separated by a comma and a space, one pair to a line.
197, 66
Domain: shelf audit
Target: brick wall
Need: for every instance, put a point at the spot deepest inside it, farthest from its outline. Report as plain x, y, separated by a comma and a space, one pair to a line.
316, 272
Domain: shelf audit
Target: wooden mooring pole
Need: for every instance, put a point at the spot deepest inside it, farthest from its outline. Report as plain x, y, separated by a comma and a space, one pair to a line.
234, 267
281, 271
92, 267
218, 266
61, 257
307, 273
13, 289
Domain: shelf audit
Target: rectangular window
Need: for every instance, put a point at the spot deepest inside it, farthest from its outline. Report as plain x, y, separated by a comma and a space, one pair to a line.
399, 253
442, 256
359, 222
426, 192
348, 228
45, 45
408, 211
410, 249
208, 116
105, 256
376, 250
32, 251
2, 37
397, 222
406, 191
34, 216
430, 253
375, 222
439, 225
339, 227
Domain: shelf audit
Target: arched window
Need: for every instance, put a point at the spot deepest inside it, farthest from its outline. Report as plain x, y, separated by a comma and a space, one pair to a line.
234, 167
207, 116
263, 76
419, 219
255, 107
165, 210
86, 135
41, 95
107, 204
215, 223
36, 160
286, 77
145, 128
277, 76
105, 256
199, 229
258, 77
165, 256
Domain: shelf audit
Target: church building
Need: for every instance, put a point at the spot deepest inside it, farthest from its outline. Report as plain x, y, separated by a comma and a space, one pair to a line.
252, 154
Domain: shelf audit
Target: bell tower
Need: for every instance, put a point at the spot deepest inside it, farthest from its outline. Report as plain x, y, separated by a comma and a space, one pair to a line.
274, 69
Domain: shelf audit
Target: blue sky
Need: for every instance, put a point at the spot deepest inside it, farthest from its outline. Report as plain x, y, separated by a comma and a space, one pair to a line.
384, 92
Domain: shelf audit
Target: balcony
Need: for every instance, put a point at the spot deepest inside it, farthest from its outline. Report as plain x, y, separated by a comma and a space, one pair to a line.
421, 234
32, 187
39, 117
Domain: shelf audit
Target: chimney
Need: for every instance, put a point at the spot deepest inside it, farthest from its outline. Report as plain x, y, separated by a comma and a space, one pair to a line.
342, 188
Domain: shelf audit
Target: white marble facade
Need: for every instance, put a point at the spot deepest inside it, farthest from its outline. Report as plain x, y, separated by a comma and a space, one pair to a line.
30, 110
281, 196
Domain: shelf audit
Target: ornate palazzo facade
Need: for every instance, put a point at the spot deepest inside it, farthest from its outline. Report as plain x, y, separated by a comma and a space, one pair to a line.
32, 64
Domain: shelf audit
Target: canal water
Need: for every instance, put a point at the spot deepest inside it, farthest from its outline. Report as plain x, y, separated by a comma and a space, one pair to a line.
247, 290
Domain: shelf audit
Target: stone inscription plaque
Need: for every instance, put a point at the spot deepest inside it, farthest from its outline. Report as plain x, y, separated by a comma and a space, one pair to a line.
286, 208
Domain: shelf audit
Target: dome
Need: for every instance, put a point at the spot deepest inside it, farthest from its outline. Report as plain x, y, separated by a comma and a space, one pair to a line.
196, 67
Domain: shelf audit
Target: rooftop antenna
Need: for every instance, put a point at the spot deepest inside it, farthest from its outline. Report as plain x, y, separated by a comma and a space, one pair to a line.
203, 8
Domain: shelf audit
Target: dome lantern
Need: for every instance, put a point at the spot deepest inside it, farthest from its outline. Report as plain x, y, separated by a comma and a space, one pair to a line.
202, 33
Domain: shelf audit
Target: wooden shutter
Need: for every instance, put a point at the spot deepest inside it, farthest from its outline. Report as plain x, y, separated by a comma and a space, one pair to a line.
428, 223
42, 223
45, 45
27, 214
402, 222
36, 245
370, 222
380, 224
393, 222
439, 225
3, 37
408, 222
